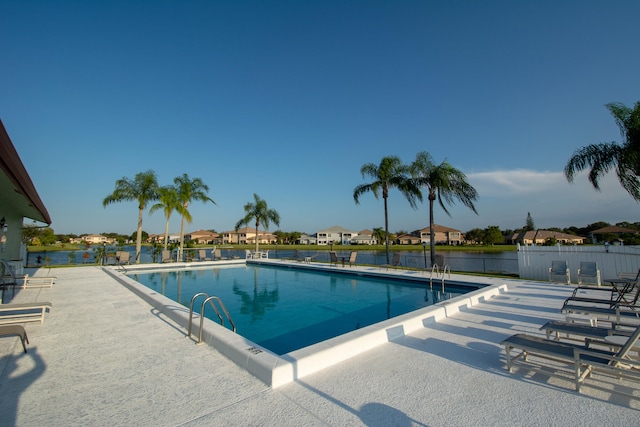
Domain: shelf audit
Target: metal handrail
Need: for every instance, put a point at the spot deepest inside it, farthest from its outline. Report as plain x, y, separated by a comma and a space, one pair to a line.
210, 300
434, 268
444, 271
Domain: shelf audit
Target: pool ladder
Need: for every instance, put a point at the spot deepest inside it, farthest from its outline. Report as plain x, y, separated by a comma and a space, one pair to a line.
435, 270
211, 300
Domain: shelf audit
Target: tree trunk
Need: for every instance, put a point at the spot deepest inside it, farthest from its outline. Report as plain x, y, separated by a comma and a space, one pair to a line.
166, 234
432, 234
139, 236
386, 229
186, 205
257, 226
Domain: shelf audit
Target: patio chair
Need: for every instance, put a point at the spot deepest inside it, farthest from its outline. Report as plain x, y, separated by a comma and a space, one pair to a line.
622, 294
308, 259
395, 261
440, 261
621, 279
589, 270
352, 258
15, 330
123, 257
618, 314
582, 358
296, 256
218, 255
8, 278
333, 258
202, 255
166, 256
25, 312
559, 268
37, 282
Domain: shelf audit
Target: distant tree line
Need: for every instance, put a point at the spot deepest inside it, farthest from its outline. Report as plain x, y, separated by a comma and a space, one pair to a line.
491, 235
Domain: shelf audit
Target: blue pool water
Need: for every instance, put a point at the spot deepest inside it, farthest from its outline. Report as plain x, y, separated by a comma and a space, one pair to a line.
285, 309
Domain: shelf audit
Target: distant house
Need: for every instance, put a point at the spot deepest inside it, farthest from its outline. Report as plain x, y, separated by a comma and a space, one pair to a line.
540, 237
159, 238
364, 237
247, 235
305, 239
203, 237
612, 229
442, 235
155, 238
335, 234
96, 239
407, 239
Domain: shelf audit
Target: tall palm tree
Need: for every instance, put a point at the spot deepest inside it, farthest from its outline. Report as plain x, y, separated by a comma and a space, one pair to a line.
168, 202
144, 189
443, 183
188, 190
390, 173
602, 157
260, 212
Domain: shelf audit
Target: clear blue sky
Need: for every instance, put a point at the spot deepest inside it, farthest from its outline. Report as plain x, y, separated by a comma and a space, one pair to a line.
288, 99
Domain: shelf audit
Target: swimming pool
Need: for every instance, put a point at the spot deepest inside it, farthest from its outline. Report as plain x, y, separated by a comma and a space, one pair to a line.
277, 370
286, 309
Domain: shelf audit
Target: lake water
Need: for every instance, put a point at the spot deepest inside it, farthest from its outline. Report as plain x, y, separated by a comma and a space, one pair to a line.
482, 262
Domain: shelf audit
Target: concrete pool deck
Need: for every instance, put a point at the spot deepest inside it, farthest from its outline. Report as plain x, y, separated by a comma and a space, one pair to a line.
106, 357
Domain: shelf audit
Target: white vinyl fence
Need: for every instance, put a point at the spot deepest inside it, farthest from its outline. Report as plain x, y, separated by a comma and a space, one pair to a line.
534, 261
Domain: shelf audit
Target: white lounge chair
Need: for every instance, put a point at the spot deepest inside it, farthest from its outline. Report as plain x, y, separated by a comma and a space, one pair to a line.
559, 268
37, 282
26, 312
577, 331
589, 270
581, 358
15, 330
10, 279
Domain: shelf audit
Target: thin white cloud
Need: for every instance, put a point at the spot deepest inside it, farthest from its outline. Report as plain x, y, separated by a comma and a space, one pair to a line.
518, 181
506, 196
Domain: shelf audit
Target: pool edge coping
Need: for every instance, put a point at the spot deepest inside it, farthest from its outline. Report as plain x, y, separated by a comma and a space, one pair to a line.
275, 370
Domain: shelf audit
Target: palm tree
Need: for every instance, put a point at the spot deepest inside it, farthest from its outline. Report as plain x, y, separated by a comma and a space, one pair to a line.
391, 173
602, 157
168, 202
259, 212
378, 234
443, 183
187, 191
144, 189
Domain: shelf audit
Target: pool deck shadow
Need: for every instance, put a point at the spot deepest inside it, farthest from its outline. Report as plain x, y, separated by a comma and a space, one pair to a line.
112, 359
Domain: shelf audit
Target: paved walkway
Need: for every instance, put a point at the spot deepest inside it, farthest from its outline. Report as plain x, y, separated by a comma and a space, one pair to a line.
104, 357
